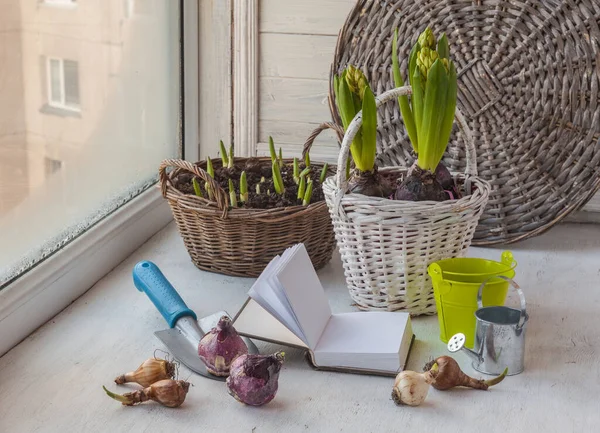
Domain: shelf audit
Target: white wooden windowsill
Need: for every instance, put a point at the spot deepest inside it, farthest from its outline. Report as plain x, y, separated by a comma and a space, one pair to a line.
51, 382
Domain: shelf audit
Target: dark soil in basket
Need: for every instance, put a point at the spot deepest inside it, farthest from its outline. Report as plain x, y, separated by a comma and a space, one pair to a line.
267, 198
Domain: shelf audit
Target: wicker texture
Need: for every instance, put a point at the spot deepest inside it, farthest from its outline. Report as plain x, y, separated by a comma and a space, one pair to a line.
528, 87
386, 245
242, 242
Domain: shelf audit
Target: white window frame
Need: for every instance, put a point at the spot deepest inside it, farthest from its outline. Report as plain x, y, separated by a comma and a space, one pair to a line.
61, 3
42, 292
129, 8
62, 104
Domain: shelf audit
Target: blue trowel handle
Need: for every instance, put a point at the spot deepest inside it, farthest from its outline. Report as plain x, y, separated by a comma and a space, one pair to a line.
149, 279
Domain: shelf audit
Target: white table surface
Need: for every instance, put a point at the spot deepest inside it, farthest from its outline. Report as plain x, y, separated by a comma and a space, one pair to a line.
52, 381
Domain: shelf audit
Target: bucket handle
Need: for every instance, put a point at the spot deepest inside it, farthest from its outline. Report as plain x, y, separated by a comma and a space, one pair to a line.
508, 259
437, 277
523, 316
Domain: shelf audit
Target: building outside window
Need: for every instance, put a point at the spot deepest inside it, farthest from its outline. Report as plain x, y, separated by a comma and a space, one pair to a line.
61, 2
91, 104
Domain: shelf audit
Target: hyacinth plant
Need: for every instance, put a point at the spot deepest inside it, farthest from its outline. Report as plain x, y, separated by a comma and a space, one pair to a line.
428, 116
237, 179
353, 94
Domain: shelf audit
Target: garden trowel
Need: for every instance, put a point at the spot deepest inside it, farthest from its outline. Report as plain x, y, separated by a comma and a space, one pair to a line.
185, 330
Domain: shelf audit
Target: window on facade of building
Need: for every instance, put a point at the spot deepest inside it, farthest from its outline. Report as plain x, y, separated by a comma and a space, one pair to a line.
63, 79
61, 2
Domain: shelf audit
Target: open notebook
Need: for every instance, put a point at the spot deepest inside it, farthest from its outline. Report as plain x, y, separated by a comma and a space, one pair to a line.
287, 305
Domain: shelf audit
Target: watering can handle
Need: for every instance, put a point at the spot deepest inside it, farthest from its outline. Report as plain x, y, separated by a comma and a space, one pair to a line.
519, 291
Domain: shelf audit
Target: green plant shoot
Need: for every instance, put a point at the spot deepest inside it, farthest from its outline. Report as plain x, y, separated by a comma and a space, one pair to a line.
211, 172
407, 115
232, 195
224, 157
348, 169
323, 173
277, 179
430, 115
443, 49
307, 160
302, 187
272, 149
305, 172
353, 95
231, 157
308, 193
196, 186
257, 189
243, 187
434, 85
209, 167
296, 171
280, 159
369, 132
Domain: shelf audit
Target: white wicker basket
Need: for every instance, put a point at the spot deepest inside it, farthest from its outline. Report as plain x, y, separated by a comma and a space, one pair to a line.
386, 245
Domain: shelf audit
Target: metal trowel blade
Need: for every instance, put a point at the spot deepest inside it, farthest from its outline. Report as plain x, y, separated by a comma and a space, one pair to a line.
185, 347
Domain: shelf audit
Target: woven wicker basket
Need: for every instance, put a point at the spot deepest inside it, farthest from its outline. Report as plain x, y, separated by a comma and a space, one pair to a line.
528, 82
386, 245
242, 242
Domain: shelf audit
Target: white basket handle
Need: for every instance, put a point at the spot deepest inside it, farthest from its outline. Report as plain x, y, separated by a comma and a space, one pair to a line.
470, 169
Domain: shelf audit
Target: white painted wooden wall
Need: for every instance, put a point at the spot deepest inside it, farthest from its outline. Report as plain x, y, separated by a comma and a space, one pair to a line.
296, 44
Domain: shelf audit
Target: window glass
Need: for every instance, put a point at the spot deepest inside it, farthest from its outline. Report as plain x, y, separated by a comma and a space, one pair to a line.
90, 106
55, 82
71, 83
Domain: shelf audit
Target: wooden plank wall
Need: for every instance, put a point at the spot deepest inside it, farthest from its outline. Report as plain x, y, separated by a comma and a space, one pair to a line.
215, 75
297, 40
296, 45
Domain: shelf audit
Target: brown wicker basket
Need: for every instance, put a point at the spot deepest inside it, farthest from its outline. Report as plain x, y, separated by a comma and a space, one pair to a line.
528, 87
241, 242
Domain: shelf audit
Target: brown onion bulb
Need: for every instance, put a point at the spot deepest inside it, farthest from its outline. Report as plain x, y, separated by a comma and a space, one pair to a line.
411, 388
170, 393
152, 370
450, 375
219, 347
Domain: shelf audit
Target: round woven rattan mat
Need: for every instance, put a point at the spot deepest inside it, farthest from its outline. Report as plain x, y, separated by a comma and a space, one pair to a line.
528, 86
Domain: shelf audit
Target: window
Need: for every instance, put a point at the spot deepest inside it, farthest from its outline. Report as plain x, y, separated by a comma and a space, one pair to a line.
61, 2
63, 84
129, 7
92, 103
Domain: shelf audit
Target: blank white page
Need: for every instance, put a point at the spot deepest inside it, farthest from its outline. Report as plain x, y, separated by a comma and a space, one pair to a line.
276, 284
263, 292
306, 295
255, 321
290, 315
372, 336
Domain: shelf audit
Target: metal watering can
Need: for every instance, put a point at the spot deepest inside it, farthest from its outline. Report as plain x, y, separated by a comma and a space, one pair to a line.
499, 336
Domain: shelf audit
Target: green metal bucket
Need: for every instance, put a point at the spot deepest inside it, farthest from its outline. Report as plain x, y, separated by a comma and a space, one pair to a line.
455, 286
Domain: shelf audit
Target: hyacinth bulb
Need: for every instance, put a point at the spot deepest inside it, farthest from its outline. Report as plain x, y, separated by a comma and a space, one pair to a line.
219, 347
254, 378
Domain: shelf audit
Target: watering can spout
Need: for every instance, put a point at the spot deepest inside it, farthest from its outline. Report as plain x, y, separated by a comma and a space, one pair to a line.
457, 342
473, 355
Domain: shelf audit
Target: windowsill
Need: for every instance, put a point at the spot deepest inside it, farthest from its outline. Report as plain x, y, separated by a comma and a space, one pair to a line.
60, 112
59, 5
52, 380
